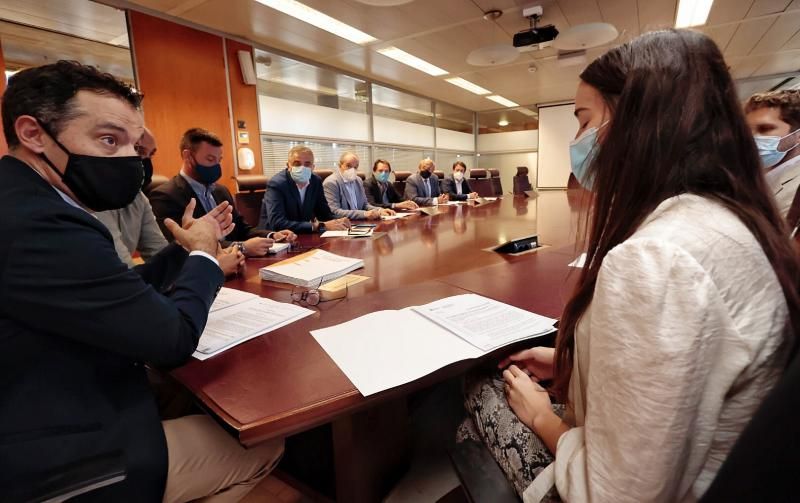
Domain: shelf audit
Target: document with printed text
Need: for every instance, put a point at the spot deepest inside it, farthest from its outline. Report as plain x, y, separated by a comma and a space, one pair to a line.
385, 349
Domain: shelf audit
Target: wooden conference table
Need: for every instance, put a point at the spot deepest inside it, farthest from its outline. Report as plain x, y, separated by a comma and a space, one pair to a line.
283, 382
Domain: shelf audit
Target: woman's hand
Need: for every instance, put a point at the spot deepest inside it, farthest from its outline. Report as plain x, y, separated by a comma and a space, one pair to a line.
527, 399
536, 362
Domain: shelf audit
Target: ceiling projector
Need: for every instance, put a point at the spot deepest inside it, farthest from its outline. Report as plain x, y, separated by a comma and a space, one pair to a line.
536, 37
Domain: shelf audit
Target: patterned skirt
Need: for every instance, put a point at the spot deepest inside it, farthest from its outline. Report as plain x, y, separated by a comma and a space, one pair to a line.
519, 452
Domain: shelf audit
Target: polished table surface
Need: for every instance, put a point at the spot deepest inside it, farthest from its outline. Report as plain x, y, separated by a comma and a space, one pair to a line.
283, 382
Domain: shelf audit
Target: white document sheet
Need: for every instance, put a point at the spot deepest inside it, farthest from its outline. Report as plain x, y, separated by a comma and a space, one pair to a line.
385, 349
483, 322
229, 297
333, 234
395, 216
579, 262
235, 324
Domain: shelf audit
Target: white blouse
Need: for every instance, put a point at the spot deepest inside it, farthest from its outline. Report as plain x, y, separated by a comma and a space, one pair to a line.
682, 340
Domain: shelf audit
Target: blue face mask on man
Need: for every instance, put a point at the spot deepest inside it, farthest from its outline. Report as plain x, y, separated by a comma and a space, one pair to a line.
382, 177
300, 174
768, 148
581, 153
207, 174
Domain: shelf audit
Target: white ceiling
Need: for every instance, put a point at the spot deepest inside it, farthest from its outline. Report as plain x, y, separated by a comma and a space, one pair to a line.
758, 37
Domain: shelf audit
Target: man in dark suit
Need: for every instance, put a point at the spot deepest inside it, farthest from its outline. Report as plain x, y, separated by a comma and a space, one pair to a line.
77, 325
381, 192
201, 153
423, 186
295, 199
456, 186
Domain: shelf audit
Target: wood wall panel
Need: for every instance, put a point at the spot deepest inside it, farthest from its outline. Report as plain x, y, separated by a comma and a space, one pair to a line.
244, 100
181, 72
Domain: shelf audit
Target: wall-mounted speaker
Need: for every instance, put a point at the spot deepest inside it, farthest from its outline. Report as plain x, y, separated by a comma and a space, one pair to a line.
247, 67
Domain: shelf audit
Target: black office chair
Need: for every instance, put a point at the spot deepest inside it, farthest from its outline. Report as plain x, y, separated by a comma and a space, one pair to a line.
70, 481
250, 194
400, 181
521, 181
155, 182
323, 173
762, 466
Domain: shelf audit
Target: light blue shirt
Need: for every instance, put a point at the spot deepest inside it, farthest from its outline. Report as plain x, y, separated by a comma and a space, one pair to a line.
203, 192
351, 187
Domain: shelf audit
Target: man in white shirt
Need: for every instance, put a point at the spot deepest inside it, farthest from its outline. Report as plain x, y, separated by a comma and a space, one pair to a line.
774, 119
456, 185
423, 186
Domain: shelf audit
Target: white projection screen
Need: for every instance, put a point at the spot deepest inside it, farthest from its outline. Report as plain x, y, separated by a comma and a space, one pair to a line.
557, 127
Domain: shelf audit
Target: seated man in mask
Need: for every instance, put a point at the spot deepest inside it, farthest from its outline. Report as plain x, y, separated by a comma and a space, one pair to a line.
423, 187
344, 191
774, 119
78, 325
201, 154
381, 192
134, 227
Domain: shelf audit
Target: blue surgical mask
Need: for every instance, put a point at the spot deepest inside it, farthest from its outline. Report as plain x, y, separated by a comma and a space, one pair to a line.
382, 177
207, 174
300, 174
581, 153
768, 149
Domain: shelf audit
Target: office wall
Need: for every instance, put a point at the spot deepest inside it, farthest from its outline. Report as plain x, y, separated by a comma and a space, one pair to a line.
397, 132
3, 146
557, 127
303, 120
182, 74
507, 164
244, 102
508, 142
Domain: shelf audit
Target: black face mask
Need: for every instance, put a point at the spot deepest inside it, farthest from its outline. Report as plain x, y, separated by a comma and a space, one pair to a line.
100, 183
147, 164
425, 174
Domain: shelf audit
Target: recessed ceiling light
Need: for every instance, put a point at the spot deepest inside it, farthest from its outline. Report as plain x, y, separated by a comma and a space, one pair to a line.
469, 86
412, 61
316, 18
692, 13
503, 101
503, 123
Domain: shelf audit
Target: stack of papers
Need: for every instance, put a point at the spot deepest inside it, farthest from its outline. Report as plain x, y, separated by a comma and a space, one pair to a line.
385, 349
238, 316
310, 269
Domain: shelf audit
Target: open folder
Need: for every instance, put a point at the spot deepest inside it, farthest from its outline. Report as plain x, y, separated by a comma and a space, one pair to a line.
385, 349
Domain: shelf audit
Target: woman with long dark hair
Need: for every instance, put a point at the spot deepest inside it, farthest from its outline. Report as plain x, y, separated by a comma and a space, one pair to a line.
686, 311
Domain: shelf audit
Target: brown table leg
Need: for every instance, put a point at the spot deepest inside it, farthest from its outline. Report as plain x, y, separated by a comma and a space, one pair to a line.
371, 452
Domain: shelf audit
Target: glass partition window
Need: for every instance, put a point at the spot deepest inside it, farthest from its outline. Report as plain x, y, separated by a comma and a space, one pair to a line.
445, 160
400, 118
98, 37
401, 159
507, 120
299, 99
275, 152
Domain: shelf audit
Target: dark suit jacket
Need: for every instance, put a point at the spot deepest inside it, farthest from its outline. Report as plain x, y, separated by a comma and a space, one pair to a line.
170, 199
76, 326
281, 208
373, 189
415, 189
449, 187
